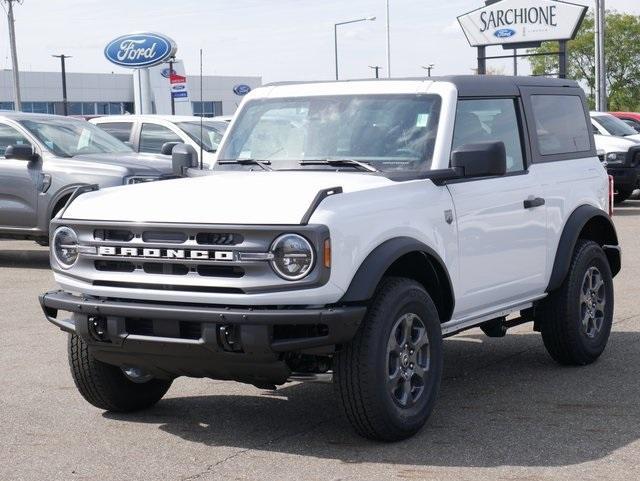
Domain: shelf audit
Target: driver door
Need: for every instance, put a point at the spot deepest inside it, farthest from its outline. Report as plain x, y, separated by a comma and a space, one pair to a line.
18, 183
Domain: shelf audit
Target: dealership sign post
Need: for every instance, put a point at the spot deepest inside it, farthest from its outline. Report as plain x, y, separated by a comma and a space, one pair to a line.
522, 24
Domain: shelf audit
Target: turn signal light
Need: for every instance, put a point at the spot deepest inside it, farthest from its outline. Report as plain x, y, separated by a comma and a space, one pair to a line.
327, 253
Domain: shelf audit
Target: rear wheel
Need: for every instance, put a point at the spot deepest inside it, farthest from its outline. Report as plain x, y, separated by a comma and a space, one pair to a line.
110, 387
388, 376
575, 321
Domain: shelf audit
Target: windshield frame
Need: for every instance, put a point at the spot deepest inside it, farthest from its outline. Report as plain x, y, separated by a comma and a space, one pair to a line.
425, 164
55, 122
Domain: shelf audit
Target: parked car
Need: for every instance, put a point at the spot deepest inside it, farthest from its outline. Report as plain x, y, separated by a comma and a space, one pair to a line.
44, 158
355, 224
148, 133
622, 159
606, 124
630, 118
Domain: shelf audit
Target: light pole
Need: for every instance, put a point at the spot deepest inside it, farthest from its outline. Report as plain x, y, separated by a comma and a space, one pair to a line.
601, 65
428, 68
388, 43
65, 103
377, 69
335, 35
17, 104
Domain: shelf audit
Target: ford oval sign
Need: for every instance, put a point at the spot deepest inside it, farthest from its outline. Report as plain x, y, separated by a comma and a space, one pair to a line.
138, 50
241, 89
505, 33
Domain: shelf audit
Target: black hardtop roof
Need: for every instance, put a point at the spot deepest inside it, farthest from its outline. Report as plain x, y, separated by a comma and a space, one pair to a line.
470, 85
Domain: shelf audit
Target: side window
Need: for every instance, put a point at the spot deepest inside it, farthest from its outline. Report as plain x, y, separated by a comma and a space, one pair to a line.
10, 136
152, 136
560, 124
489, 120
120, 130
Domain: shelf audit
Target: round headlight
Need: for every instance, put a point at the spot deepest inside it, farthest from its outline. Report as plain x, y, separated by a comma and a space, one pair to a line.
65, 247
293, 257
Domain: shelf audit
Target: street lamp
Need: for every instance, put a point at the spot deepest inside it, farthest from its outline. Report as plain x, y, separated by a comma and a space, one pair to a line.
65, 103
335, 34
429, 68
377, 68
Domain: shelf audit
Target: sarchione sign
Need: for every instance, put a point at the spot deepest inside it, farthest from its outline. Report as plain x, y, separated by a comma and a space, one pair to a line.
522, 21
138, 50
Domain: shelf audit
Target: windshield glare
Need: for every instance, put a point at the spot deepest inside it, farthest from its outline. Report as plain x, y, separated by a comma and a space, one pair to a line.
212, 133
615, 126
68, 137
391, 132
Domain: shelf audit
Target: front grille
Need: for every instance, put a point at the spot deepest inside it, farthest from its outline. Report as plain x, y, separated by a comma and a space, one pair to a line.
165, 237
218, 239
114, 266
114, 235
167, 269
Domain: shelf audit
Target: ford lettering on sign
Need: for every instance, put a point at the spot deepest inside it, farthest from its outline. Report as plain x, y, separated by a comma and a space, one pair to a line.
504, 33
241, 89
138, 50
522, 21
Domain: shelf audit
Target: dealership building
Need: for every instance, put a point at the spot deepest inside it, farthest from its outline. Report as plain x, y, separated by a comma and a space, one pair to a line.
113, 93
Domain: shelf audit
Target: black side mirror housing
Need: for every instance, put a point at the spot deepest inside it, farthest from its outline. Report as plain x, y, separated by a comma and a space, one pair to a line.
183, 157
482, 159
20, 152
167, 148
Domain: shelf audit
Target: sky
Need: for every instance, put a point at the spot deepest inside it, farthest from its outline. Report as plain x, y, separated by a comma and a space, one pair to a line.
275, 39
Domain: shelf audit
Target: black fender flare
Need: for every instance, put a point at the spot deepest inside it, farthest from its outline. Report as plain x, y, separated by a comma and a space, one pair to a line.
605, 235
67, 190
368, 276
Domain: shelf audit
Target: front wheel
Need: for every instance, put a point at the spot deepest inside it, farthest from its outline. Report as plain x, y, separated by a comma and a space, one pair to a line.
388, 376
109, 387
575, 321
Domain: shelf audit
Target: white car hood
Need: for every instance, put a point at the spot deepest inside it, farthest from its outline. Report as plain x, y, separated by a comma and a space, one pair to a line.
609, 143
272, 198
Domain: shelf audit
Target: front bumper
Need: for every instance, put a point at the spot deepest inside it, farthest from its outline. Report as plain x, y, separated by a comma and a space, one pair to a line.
169, 340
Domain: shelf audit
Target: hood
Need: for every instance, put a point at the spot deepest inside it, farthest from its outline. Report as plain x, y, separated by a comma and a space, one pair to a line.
610, 143
139, 163
250, 198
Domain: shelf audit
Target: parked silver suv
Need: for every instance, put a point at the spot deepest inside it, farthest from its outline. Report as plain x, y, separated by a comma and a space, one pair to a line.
44, 158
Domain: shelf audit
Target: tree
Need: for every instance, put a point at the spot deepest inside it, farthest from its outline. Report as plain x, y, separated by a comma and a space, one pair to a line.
622, 49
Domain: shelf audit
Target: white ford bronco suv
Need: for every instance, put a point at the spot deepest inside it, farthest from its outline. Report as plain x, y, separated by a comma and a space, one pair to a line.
345, 230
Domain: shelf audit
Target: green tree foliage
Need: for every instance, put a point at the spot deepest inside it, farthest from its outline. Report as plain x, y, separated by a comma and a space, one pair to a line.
622, 48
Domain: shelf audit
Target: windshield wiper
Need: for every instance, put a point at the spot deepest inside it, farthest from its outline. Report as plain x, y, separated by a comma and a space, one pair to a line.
341, 162
264, 164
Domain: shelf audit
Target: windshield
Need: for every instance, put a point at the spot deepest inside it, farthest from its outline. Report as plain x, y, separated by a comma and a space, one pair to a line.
614, 125
212, 133
393, 133
69, 137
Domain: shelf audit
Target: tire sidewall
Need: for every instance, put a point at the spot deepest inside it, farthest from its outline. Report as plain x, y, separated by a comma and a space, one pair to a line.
406, 298
592, 256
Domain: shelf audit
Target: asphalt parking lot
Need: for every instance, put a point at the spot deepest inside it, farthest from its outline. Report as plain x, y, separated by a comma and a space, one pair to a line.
505, 412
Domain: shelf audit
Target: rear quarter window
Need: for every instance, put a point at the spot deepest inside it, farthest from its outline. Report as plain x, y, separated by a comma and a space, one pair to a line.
560, 124
120, 130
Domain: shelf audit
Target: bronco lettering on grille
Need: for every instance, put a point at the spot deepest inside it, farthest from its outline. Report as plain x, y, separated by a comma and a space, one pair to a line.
166, 253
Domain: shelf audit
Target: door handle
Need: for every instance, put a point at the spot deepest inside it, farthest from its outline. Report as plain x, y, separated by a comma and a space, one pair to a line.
531, 203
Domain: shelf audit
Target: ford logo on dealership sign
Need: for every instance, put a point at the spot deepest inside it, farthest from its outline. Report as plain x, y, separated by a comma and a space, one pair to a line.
505, 33
241, 89
138, 50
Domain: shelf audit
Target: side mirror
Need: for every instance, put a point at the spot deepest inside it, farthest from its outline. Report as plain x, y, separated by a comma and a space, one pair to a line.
480, 159
20, 152
183, 157
167, 148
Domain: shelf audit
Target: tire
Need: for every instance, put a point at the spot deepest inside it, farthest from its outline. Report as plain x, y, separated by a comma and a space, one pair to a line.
106, 386
621, 195
363, 367
571, 334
